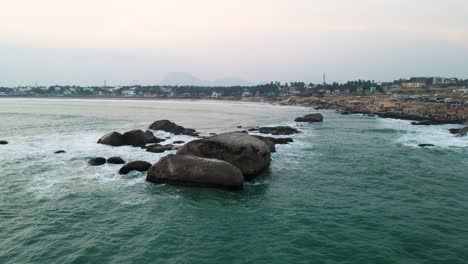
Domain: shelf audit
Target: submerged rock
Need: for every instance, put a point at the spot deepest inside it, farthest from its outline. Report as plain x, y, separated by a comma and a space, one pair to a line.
184, 170
426, 145
135, 165
168, 147
279, 130
179, 142
459, 131
115, 160
310, 118
171, 127
248, 153
97, 161
155, 148
59, 151
3, 142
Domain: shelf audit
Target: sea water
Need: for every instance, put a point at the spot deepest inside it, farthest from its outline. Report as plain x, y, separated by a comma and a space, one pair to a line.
353, 189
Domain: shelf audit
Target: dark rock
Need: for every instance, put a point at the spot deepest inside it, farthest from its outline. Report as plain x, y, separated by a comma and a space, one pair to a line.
213, 134
59, 151
113, 139
269, 141
3, 142
252, 129
115, 160
171, 127
426, 145
279, 130
168, 147
282, 140
184, 170
156, 148
135, 165
97, 161
138, 138
178, 142
250, 154
459, 131
239, 126
310, 118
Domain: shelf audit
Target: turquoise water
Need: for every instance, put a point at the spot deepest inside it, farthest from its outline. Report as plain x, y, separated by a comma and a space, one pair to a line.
354, 189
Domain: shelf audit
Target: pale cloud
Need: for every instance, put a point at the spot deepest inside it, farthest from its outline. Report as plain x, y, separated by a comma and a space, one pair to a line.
247, 38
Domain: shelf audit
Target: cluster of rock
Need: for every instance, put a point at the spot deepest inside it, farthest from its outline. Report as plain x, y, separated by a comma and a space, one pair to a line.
135, 138
171, 127
224, 160
459, 131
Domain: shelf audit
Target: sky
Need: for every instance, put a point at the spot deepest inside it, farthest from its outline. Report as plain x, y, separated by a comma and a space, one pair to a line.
85, 42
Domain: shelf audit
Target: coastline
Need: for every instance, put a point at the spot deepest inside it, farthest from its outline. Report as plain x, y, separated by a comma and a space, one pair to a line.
384, 106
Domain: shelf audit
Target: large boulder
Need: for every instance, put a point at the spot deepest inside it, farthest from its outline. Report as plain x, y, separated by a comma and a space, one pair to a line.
459, 131
135, 165
310, 118
171, 127
248, 153
279, 130
139, 138
194, 171
98, 161
113, 139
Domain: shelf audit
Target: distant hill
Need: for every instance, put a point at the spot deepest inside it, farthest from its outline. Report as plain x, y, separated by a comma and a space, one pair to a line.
185, 78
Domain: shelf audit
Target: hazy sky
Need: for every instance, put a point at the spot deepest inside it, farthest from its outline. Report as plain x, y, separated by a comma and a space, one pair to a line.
140, 41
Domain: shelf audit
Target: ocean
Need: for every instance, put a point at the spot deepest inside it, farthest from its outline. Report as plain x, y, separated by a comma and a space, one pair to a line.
355, 189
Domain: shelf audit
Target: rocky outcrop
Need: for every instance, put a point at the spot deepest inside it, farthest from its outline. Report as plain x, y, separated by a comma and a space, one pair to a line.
184, 170
250, 154
156, 148
311, 118
115, 160
97, 161
171, 127
3, 142
279, 130
135, 165
136, 138
459, 131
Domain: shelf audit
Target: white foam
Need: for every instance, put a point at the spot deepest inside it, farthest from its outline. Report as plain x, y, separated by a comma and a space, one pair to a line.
437, 135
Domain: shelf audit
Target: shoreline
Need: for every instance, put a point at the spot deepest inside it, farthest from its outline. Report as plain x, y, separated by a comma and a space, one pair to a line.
384, 106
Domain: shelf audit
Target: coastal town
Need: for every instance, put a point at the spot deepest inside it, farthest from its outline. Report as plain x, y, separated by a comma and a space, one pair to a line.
411, 86
429, 100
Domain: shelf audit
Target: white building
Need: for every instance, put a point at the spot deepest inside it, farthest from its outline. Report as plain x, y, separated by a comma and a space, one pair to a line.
216, 94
